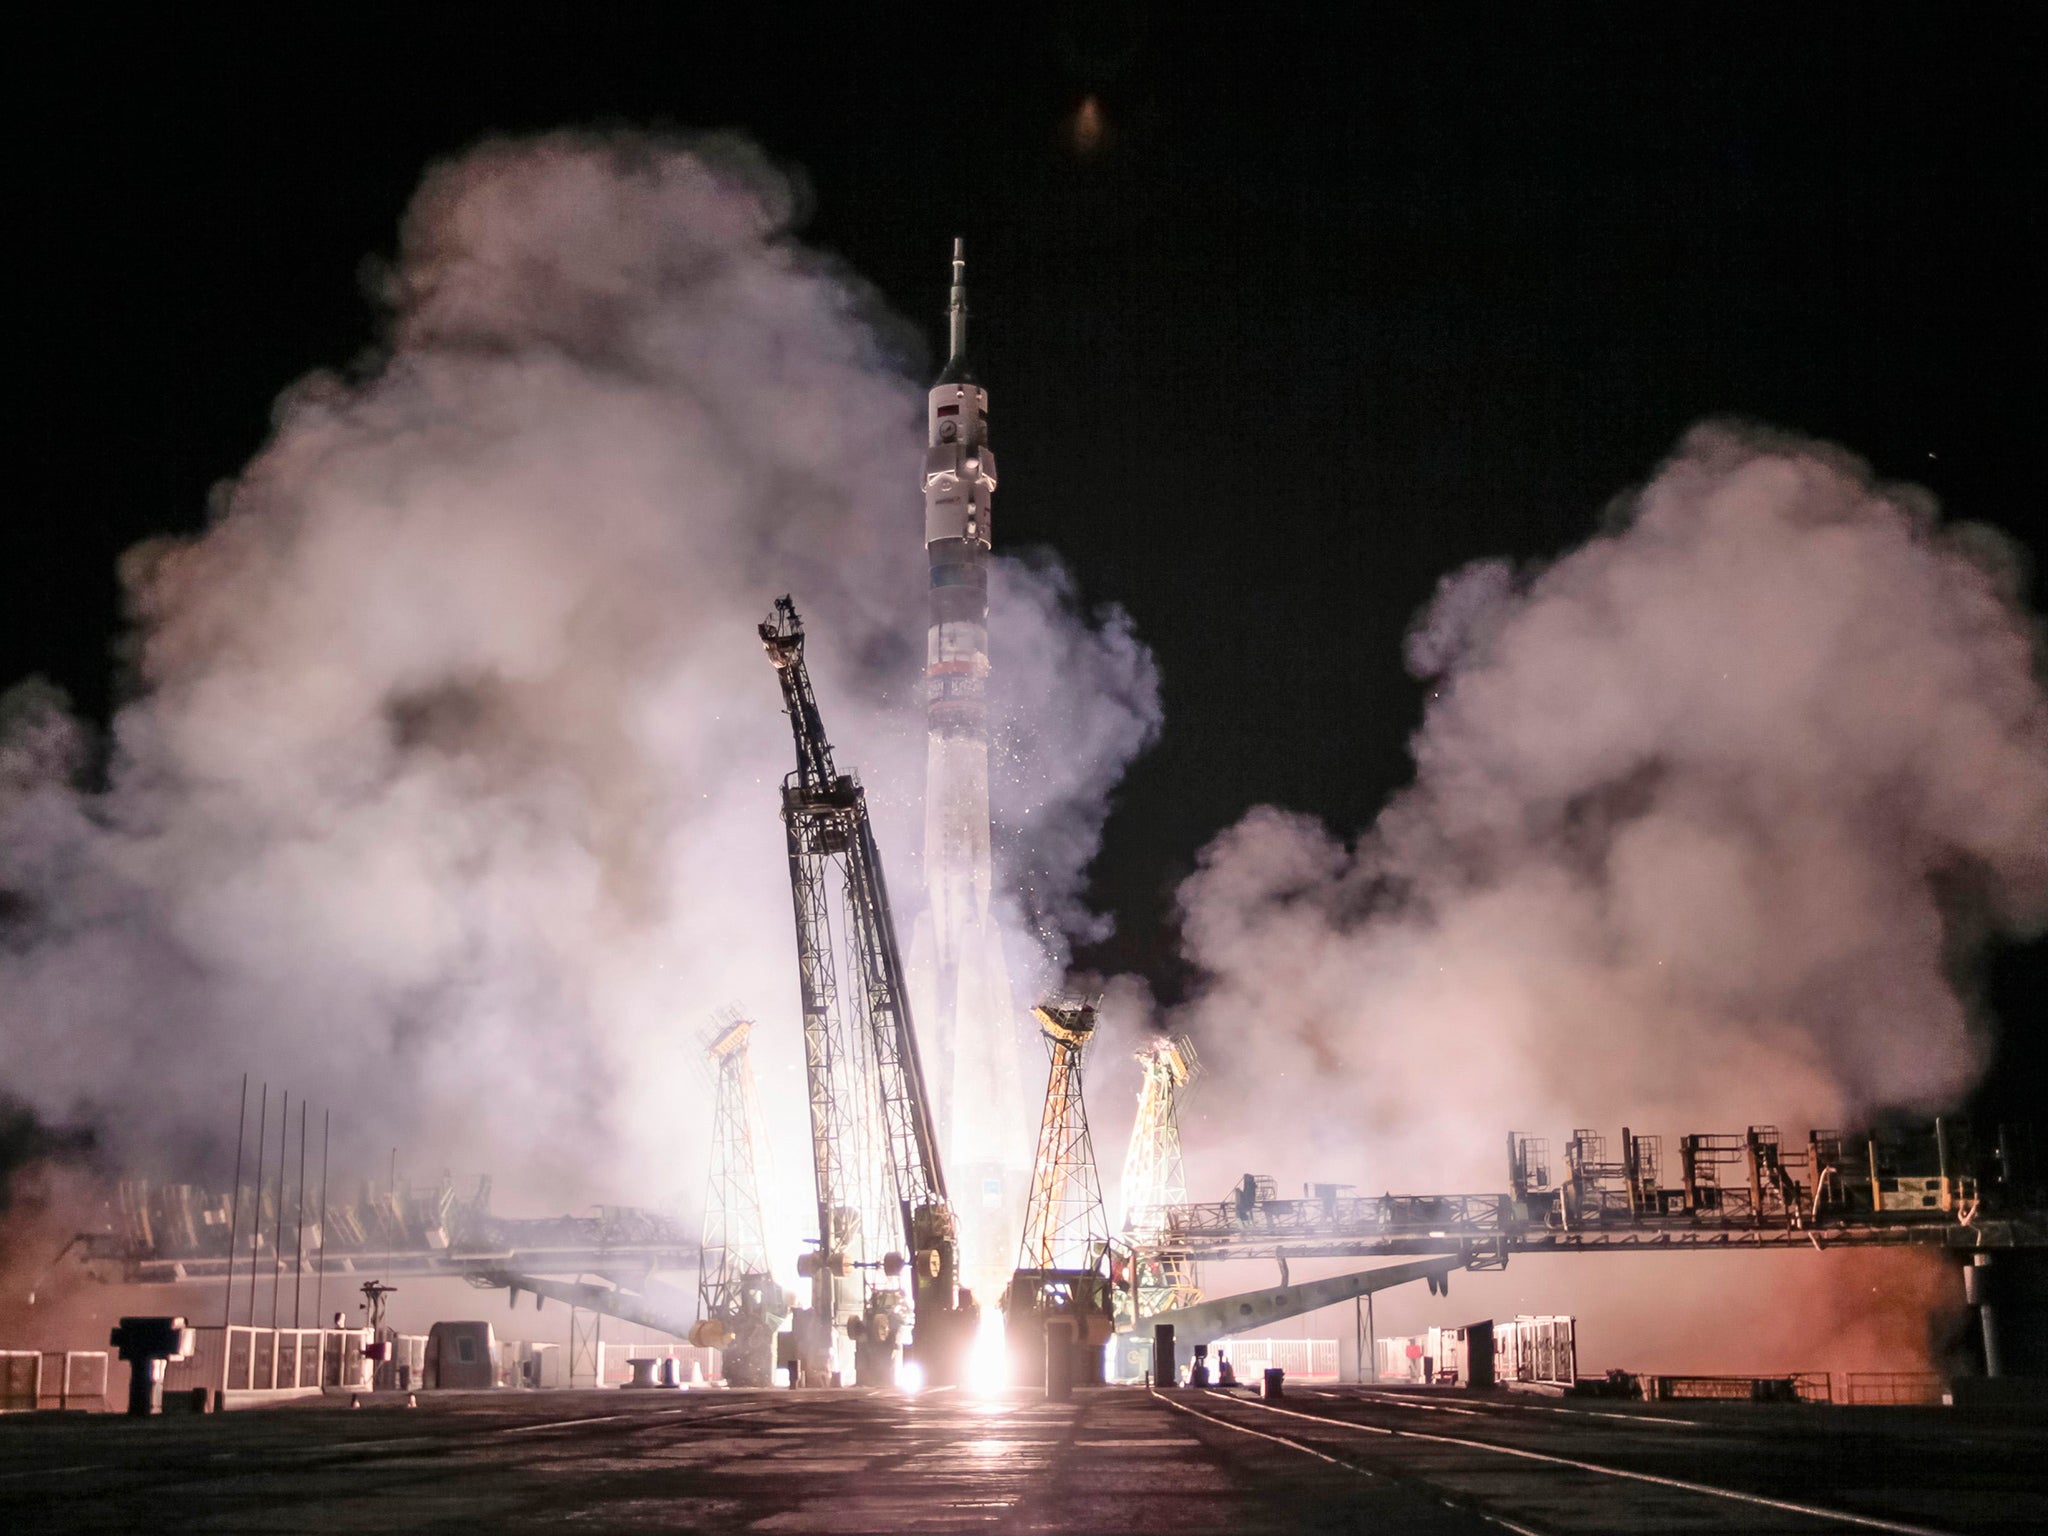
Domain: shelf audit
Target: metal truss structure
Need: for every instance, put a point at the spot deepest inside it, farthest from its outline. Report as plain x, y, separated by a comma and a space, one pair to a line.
874, 1141
586, 1347
1155, 1179
740, 1308
1065, 1224
409, 1231
1923, 1188
732, 1255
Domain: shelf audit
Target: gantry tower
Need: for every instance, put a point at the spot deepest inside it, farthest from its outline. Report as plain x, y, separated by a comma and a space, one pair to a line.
1061, 1305
874, 1144
739, 1305
1065, 1225
1155, 1178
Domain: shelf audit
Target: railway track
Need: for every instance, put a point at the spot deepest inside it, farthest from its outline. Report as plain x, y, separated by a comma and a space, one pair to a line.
1547, 1469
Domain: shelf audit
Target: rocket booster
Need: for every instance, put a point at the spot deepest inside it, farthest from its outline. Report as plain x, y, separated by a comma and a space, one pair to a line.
957, 964
959, 491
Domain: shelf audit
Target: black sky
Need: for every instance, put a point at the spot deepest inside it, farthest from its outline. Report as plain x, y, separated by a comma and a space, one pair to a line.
1335, 307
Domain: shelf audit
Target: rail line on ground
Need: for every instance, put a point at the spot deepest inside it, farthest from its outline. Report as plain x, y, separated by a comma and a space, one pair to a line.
1685, 1485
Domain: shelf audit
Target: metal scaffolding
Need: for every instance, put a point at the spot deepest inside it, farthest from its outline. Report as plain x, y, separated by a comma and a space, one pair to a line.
174, 1233
1065, 1224
739, 1305
1155, 1179
734, 1244
818, 809
873, 1140
1928, 1187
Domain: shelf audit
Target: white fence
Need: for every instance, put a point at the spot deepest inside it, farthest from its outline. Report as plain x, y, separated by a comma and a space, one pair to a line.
53, 1378
243, 1359
1301, 1359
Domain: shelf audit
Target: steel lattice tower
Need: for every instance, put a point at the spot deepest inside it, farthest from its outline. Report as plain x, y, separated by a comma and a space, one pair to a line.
735, 1242
1155, 1177
874, 1143
739, 1305
1065, 1224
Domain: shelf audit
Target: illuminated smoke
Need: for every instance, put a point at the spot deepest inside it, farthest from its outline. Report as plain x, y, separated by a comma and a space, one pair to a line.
450, 796
1708, 819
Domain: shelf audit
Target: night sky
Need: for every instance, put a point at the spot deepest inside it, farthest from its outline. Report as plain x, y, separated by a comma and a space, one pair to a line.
1326, 312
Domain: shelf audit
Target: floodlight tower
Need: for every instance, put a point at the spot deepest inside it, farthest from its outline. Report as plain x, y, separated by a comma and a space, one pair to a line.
1065, 1224
1155, 1178
1060, 1309
740, 1307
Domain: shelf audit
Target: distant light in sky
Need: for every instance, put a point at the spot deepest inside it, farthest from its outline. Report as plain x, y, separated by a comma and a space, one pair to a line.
1087, 130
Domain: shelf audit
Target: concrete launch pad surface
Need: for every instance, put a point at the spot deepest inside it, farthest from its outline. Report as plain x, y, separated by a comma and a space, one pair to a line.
1343, 1459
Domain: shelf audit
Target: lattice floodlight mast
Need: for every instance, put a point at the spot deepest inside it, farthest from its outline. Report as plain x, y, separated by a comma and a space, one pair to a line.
1155, 1178
740, 1307
734, 1246
1065, 1224
863, 1071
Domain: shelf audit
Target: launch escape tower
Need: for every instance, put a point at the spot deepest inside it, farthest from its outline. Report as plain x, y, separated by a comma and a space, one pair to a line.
957, 962
739, 1305
1061, 1298
1155, 1178
874, 1146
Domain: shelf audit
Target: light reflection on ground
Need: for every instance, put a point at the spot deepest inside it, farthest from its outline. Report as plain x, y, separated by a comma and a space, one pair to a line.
988, 1366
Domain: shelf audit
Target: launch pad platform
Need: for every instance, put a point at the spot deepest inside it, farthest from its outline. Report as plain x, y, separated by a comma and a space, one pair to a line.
1188, 1462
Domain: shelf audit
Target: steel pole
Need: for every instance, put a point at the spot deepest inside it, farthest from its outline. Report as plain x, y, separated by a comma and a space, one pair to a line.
1372, 1342
235, 1210
256, 1220
284, 1130
320, 1275
299, 1231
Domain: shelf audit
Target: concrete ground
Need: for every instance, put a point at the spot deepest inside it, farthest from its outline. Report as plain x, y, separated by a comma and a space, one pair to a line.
1115, 1459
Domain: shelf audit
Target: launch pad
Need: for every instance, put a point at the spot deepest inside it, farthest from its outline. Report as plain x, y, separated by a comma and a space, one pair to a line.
1350, 1459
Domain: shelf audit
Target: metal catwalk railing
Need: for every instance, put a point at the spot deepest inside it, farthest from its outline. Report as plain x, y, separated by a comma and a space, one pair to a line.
1920, 1187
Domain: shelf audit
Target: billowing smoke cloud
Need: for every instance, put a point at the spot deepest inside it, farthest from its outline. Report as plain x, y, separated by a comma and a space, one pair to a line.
449, 794
1708, 816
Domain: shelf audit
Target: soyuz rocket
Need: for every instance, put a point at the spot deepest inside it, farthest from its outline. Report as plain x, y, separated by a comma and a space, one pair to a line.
959, 980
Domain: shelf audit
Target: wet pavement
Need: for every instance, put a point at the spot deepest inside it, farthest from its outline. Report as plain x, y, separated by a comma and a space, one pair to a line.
1117, 1459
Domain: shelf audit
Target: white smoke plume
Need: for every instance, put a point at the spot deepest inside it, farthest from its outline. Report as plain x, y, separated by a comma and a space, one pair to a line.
1708, 817
448, 796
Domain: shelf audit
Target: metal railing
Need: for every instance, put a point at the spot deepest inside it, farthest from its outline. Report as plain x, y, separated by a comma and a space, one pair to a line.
1893, 1388
1353, 1226
52, 1378
244, 1359
1301, 1359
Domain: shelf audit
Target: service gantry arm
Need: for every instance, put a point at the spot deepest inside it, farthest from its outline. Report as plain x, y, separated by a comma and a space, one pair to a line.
826, 817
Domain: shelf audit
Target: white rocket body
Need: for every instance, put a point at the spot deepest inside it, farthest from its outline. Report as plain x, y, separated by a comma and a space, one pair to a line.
960, 983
